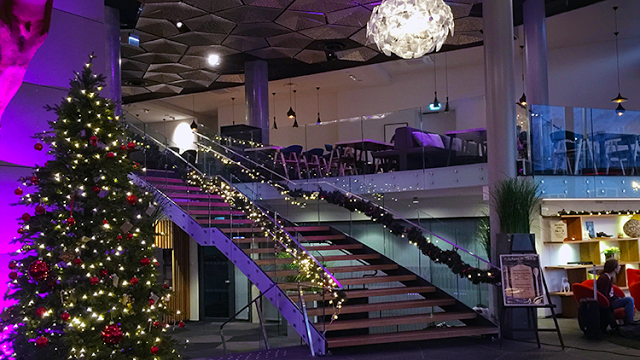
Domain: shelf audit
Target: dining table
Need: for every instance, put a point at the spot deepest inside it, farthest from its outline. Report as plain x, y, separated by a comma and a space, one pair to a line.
363, 148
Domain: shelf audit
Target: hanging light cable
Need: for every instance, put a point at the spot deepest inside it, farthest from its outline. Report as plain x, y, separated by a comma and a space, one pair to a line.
618, 99
275, 125
318, 101
523, 98
446, 80
233, 110
435, 105
295, 103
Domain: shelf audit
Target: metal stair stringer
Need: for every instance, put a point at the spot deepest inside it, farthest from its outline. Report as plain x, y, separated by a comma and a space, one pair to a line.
214, 237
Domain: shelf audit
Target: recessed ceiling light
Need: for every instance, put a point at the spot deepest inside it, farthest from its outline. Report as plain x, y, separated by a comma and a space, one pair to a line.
214, 59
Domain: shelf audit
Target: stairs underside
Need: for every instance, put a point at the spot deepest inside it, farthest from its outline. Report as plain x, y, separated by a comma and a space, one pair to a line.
386, 303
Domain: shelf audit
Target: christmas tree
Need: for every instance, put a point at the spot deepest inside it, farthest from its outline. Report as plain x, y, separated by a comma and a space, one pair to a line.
85, 281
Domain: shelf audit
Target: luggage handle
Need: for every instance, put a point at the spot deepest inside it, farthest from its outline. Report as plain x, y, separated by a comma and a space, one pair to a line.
595, 288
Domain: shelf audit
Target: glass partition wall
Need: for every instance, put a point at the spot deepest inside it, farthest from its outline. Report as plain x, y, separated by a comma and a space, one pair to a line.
584, 141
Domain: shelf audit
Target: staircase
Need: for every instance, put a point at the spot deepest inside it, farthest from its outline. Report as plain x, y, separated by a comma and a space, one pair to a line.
386, 303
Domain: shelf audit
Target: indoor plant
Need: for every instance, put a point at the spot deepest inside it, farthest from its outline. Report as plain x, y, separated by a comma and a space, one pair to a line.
611, 252
514, 201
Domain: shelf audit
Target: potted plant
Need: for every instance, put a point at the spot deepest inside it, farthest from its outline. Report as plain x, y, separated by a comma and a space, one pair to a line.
611, 252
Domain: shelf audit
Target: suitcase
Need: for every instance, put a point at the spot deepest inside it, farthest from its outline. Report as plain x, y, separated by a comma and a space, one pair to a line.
589, 314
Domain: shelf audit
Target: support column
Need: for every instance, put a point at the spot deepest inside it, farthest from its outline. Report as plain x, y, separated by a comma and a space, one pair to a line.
501, 112
114, 78
256, 75
535, 52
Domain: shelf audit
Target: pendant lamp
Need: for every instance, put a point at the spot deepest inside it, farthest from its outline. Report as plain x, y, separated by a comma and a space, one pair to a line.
275, 125
318, 101
435, 105
233, 110
618, 99
446, 80
291, 114
295, 119
523, 99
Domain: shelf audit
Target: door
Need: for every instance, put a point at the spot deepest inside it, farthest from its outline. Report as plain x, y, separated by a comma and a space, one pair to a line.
216, 284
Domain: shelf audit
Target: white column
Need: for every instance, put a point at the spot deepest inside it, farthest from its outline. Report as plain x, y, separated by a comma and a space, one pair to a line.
112, 51
535, 52
256, 74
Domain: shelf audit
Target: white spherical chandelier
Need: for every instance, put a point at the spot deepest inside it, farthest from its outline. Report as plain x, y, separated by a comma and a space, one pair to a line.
410, 28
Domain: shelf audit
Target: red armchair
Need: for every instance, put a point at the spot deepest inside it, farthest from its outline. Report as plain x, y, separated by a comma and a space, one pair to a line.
585, 290
633, 278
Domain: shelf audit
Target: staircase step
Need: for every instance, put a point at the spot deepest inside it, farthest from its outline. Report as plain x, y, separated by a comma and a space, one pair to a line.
434, 333
304, 229
326, 258
192, 204
339, 269
214, 212
320, 238
355, 294
305, 239
334, 247
392, 305
397, 320
360, 280
200, 196
162, 180
164, 187
224, 222
248, 230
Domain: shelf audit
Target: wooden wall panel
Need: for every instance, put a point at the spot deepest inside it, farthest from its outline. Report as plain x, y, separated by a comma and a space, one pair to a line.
170, 236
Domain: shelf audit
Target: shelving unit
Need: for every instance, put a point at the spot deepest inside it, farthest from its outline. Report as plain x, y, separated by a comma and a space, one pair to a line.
590, 250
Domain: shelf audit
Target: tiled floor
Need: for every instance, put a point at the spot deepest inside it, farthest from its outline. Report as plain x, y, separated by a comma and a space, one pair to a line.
204, 343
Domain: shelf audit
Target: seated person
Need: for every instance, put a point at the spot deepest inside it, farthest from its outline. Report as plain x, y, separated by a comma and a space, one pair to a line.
605, 286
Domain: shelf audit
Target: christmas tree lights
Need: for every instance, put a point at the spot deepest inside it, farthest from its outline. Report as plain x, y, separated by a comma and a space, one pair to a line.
89, 230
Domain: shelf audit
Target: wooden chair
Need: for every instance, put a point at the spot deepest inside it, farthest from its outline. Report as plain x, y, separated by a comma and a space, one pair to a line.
289, 157
564, 149
313, 159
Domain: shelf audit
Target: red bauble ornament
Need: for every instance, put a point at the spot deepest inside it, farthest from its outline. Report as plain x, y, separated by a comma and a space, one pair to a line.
123, 147
41, 342
20, 231
39, 270
145, 261
156, 324
129, 236
112, 334
77, 261
134, 281
110, 154
40, 312
131, 145
94, 280
71, 221
39, 209
105, 222
96, 189
154, 350
18, 191
166, 286
131, 199
34, 180
151, 302
26, 217
13, 275
65, 316
104, 272
94, 140
13, 265
136, 165
181, 324
119, 237
38, 146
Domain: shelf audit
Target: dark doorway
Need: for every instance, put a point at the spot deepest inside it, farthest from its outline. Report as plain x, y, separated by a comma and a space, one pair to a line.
216, 284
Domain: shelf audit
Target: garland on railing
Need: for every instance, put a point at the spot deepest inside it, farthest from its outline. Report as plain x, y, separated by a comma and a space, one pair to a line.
451, 258
301, 259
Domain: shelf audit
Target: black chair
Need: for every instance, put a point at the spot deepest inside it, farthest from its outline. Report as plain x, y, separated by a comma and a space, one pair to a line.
564, 149
289, 156
314, 158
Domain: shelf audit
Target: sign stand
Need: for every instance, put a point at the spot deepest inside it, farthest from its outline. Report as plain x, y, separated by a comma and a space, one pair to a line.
526, 283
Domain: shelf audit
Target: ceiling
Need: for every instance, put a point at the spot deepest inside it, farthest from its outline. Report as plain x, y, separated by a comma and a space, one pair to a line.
295, 37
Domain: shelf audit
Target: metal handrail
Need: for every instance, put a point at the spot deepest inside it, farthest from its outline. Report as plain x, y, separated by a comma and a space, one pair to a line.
264, 331
395, 214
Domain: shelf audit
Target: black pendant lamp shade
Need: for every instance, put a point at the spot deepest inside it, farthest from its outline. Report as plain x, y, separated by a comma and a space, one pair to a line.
194, 126
291, 114
446, 106
619, 99
436, 103
620, 110
523, 100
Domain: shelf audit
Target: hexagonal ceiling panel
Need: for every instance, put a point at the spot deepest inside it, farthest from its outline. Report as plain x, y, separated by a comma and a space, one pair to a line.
293, 36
